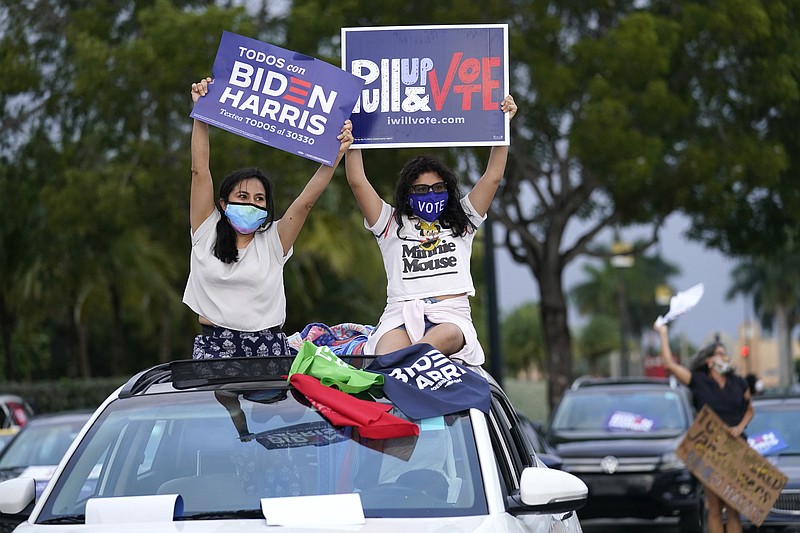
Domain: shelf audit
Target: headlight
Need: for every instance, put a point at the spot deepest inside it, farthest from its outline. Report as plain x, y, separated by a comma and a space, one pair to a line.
671, 461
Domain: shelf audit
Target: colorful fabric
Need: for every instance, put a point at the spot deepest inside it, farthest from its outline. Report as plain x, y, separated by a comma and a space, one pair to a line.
423, 382
223, 343
323, 364
371, 418
343, 339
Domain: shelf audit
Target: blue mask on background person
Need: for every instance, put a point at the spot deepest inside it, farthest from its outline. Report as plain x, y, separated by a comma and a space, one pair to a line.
245, 218
428, 206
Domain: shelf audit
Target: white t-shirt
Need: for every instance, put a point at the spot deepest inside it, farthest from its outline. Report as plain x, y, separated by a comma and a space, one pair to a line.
425, 260
247, 295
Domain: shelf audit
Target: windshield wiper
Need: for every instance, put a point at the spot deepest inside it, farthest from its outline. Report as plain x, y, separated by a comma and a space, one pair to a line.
66, 519
222, 515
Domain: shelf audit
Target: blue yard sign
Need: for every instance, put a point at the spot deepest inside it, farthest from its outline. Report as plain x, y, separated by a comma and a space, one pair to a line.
277, 97
429, 85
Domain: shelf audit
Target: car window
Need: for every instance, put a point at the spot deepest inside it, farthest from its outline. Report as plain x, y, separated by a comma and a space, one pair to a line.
774, 430
633, 412
226, 452
43, 444
511, 447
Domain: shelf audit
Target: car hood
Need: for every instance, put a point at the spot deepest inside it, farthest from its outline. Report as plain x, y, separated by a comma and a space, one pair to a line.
501, 523
622, 447
789, 465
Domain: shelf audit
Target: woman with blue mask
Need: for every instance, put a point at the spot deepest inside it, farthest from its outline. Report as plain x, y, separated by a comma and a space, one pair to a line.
239, 249
425, 239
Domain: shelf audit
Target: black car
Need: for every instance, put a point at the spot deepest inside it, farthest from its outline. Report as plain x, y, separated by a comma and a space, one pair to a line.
774, 432
619, 436
533, 431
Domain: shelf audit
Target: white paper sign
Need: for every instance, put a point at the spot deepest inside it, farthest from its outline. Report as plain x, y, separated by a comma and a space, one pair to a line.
680, 303
318, 511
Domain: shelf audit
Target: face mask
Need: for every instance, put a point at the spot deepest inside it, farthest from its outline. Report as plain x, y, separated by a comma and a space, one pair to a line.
428, 206
721, 366
245, 218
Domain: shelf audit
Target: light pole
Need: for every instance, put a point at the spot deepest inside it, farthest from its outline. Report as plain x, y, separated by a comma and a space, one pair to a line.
622, 258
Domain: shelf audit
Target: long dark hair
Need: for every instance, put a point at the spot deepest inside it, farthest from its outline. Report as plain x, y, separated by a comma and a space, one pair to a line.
225, 248
453, 216
699, 360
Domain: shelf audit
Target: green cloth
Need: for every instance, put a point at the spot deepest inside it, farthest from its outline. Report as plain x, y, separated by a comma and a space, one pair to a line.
321, 363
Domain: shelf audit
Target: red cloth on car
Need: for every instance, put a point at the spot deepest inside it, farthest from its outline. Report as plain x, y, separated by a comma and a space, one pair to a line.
371, 418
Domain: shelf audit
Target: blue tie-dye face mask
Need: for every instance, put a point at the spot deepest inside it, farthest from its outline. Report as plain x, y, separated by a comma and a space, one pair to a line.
245, 218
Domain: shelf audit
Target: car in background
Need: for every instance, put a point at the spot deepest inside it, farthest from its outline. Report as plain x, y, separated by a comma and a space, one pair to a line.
37, 448
210, 444
5, 436
620, 436
545, 452
774, 432
14, 412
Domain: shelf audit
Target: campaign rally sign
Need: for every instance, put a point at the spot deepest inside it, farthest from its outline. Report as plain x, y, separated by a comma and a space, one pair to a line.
429, 85
281, 98
767, 443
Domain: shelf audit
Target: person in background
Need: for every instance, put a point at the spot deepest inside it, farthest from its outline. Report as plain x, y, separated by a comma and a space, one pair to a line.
755, 384
239, 249
425, 239
710, 377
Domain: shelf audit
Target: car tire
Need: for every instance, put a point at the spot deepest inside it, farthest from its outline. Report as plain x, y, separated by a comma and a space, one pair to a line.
694, 520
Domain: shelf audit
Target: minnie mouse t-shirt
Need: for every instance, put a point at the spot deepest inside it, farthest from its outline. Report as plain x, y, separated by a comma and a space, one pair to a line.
424, 259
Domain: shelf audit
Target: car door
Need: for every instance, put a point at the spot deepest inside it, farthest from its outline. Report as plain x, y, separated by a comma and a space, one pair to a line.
513, 454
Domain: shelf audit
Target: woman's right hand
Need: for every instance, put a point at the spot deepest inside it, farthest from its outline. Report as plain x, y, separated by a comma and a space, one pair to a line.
200, 89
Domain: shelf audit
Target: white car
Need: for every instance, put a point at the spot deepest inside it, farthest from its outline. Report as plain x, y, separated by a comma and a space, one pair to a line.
229, 445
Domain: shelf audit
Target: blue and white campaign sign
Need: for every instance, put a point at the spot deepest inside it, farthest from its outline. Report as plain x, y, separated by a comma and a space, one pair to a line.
767, 443
429, 85
277, 97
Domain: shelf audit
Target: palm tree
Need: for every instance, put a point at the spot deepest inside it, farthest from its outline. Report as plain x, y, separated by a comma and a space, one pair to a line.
599, 294
774, 285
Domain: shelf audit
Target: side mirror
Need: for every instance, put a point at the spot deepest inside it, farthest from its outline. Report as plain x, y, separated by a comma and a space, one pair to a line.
17, 494
544, 490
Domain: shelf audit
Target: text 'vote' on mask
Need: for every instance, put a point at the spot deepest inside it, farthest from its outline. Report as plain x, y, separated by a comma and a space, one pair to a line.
428, 206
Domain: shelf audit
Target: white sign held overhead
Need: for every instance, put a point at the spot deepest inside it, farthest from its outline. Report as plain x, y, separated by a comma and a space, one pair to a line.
680, 303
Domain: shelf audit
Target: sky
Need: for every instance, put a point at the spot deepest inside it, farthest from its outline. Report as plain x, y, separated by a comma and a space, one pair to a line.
698, 264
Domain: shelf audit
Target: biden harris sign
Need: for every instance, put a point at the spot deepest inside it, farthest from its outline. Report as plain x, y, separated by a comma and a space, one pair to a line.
428, 85
277, 97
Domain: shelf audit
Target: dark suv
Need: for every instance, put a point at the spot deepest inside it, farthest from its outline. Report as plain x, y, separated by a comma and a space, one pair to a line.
619, 436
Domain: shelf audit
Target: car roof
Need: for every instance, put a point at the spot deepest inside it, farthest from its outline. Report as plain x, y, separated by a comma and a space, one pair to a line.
61, 417
233, 372
789, 400
592, 383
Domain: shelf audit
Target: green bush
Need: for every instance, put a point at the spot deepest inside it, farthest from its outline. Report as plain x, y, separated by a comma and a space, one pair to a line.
64, 395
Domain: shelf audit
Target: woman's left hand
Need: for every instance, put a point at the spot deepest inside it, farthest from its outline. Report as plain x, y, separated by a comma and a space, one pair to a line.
735, 431
509, 106
346, 136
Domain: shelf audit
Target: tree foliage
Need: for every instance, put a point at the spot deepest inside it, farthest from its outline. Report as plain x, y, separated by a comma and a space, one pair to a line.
95, 165
523, 346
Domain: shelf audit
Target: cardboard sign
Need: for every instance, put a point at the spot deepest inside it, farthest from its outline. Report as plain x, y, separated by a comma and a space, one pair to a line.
277, 97
429, 85
728, 466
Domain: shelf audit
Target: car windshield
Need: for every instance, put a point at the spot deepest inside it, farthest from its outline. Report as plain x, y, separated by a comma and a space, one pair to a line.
41, 444
223, 451
641, 412
774, 429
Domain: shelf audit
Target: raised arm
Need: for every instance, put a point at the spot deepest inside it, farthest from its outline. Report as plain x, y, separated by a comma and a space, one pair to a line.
683, 374
201, 199
483, 193
368, 199
292, 221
